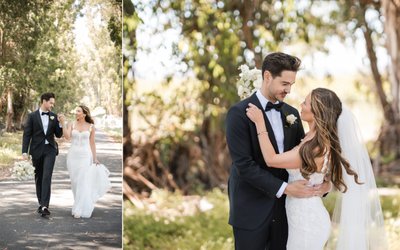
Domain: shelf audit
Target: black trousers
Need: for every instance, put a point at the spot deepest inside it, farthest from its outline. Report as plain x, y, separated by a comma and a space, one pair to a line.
270, 235
44, 166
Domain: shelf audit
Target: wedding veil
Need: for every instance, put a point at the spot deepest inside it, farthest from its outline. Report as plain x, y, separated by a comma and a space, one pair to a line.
357, 219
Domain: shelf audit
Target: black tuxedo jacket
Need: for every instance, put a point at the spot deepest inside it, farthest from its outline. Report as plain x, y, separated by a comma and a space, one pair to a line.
252, 185
34, 136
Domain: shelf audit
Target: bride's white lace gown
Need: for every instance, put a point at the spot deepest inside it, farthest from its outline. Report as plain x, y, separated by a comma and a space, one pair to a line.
308, 220
89, 181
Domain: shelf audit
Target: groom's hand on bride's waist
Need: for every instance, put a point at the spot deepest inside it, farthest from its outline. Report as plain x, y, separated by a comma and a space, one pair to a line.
323, 189
299, 189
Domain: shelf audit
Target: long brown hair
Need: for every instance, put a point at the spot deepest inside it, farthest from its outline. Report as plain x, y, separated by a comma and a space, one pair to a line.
86, 111
326, 107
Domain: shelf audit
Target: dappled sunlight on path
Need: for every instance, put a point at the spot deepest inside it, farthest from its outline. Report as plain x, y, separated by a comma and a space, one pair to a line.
21, 226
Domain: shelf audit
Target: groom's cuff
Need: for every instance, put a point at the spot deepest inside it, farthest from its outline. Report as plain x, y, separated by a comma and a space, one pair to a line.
281, 190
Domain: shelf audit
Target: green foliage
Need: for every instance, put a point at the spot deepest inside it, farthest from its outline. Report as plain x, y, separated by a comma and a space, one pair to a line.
130, 22
203, 230
390, 203
56, 58
99, 62
10, 148
166, 226
215, 38
218, 36
38, 54
390, 206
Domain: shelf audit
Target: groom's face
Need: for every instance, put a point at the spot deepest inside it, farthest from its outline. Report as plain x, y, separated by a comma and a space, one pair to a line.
279, 86
48, 105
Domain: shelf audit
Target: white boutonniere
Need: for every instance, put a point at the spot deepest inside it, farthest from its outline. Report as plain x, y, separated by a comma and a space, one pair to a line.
52, 117
291, 119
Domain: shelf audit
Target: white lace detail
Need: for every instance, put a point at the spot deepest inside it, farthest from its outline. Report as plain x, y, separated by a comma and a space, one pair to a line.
88, 181
308, 220
315, 178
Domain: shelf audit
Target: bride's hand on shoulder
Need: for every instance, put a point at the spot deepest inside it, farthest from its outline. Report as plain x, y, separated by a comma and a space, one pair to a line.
255, 114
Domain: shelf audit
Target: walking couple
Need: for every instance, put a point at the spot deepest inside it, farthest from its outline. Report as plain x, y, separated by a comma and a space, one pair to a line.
89, 178
279, 173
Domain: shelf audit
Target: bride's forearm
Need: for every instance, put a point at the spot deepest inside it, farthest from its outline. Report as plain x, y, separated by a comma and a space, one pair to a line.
93, 147
93, 152
267, 149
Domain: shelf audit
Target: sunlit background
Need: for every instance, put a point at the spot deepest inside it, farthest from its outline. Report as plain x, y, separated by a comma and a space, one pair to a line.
181, 62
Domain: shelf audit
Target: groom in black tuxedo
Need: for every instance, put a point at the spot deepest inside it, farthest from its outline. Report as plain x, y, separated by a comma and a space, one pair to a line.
40, 129
257, 192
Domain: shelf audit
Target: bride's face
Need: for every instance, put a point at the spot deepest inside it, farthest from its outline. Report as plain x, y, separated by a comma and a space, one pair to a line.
79, 115
306, 113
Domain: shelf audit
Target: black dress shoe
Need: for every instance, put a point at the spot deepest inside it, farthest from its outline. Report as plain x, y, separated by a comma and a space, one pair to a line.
39, 210
45, 211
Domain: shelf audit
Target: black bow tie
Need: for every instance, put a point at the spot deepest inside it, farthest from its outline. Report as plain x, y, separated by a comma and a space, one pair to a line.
270, 106
45, 113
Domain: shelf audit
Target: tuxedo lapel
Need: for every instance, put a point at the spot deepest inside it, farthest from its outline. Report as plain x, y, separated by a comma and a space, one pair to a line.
50, 122
286, 128
289, 131
271, 135
39, 119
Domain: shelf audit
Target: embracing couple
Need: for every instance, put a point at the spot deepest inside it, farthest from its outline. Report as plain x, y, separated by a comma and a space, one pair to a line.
89, 178
279, 173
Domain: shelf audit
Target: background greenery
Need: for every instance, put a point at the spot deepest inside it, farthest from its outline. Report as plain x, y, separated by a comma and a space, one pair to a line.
42, 50
157, 227
176, 121
174, 137
72, 48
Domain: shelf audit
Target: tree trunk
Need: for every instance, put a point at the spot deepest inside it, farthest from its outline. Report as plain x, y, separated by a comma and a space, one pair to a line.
388, 112
389, 137
21, 121
390, 133
127, 135
391, 11
247, 13
10, 112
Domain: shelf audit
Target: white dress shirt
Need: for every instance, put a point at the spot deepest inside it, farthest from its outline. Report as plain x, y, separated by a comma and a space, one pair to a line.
274, 117
45, 122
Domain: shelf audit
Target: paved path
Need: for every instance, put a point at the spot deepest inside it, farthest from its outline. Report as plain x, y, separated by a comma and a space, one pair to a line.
22, 228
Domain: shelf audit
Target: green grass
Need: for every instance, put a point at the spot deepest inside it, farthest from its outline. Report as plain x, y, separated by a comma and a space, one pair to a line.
166, 227
203, 230
10, 148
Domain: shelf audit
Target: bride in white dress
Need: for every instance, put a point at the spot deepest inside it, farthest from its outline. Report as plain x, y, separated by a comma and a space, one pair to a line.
358, 215
89, 178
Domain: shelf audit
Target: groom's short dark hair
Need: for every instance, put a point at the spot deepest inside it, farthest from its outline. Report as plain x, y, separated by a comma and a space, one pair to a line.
47, 96
277, 62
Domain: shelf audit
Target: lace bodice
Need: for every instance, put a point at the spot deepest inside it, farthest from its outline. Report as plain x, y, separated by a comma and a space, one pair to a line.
308, 220
315, 178
80, 138
89, 181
